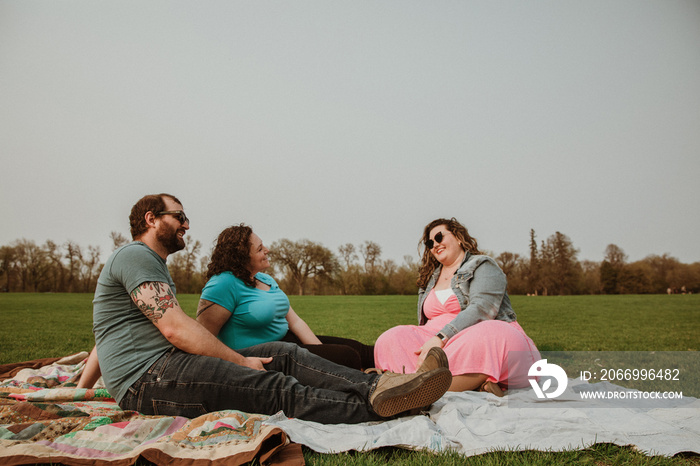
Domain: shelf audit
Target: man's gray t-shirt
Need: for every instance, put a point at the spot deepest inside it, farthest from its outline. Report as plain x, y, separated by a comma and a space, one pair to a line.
128, 343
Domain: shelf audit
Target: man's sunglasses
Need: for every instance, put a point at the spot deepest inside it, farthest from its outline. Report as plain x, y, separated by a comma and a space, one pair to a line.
430, 244
178, 214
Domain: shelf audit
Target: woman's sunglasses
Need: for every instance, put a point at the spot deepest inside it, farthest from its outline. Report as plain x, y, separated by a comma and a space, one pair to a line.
430, 244
178, 214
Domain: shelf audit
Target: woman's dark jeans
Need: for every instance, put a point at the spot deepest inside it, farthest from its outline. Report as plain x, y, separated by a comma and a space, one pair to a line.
299, 383
344, 351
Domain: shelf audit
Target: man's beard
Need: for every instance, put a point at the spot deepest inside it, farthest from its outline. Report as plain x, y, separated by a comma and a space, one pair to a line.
170, 240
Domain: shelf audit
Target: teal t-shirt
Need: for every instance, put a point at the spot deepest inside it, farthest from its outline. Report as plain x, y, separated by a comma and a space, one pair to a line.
127, 342
258, 316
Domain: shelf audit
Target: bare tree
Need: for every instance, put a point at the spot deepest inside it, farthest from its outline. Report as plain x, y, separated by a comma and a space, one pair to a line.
57, 270
508, 261
90, 268
118, 240
75, 256
302, 260
347, 252
32, 263
7, 265
371, 252
183, 268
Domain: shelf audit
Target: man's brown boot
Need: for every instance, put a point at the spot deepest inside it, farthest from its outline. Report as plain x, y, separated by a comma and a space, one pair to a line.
397, 393
435, 358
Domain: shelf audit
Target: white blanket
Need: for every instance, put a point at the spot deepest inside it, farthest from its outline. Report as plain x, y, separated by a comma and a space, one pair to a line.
476, 422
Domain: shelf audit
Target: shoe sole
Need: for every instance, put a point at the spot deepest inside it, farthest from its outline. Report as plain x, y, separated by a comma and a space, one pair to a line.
418, 393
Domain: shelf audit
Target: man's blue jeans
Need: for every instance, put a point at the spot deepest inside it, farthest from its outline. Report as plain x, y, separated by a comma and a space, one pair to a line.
297, 382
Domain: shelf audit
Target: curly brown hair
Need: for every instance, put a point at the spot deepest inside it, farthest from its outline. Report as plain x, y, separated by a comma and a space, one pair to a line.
150, 203
428, 261
232, 254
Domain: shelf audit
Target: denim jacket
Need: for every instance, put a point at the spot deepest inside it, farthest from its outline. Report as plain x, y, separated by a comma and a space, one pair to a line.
480, 287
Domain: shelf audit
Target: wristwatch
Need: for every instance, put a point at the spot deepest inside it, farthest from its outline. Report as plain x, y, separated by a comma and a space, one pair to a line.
443, 337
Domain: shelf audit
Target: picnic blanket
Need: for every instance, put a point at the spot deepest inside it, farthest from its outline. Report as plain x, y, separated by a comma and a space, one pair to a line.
44, 418
473, 423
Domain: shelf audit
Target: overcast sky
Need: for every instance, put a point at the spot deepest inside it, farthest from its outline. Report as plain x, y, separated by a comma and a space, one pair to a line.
343, 122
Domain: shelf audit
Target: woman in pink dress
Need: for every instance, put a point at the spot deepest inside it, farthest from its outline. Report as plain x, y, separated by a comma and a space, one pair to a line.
463, 308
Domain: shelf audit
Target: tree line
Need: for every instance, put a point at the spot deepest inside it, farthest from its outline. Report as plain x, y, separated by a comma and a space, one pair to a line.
307, 267
553, 268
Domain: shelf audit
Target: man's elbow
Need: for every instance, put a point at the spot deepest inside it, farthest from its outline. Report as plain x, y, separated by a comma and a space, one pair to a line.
173, 334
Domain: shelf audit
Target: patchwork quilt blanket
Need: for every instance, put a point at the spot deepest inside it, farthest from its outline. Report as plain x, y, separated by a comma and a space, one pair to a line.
43, 418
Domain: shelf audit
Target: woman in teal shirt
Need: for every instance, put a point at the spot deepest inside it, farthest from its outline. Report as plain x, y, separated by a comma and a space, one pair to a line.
244, 307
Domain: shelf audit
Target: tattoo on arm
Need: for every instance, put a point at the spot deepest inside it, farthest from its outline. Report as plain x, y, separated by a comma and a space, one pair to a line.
154, 299
203, 306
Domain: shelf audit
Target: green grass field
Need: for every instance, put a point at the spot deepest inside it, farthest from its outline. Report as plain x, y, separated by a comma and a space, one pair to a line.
50, 325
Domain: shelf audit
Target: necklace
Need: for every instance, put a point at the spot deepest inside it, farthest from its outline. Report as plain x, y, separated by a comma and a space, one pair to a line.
446, 273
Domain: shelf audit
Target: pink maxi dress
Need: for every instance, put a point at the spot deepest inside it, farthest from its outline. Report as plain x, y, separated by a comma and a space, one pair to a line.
482, 348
